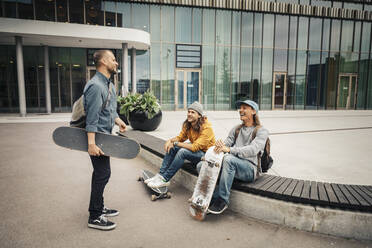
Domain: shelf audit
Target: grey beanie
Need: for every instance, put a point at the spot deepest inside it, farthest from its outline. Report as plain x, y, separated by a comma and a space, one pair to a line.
197, 107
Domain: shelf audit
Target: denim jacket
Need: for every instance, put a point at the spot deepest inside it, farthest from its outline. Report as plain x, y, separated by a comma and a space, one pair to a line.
99, 119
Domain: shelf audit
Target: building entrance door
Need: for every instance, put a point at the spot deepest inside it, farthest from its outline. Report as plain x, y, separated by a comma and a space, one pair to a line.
91, 71
279, 90
346, 94
188, 88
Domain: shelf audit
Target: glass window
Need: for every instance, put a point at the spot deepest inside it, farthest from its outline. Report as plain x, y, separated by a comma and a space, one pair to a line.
124, 15
93, 13
347, 36
367, 7
280, 60
76, 9
291, 82
281, 31
244, 88
323, 81
366, 37
247, 29
10, 9
332, 80
223, 76
326, 34
321, 3
349, 62
183, 25
155, 23
358, 6
167, 76
304, 2
110, 13
140, 15
256, 74
25, 9
257, 30
78, 71
369, 93
208, 77
236, 28
235, 66
142, 71
268, 31
62, 11
155, 69
167, 23
363, 80
335, 35
315, 34
8, 80
208, 26
266, 78
300, 79
45, 10
302, 33
196, 25
357, 34
313, 79
337, 4
223, 27
293, 32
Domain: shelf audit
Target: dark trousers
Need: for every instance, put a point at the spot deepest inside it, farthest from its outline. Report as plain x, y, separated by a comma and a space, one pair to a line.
100, 177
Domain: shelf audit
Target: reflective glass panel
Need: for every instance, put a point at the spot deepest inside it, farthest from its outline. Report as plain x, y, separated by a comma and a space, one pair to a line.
358, 6
293, 32
266, 78
313, 79
326, 34
256, 74
321, 3
315, 34
181, 86
223, 75
332, 80
247, 29
10, 9
369, 93
25, 9
196, 25
363, 80
347, 36
281, 31
208, 26
357, 35
124, 15
323, 80
110, 13
93, 12
236, 16
192, 87
208, 77
349, 62
280, 60
143, 71
78, 71
183, 25
366, 37
167, 23
244, 88
45, 10
223, 27
302, 33
76, 10
155, 69
268, 31
155, 23
235, 66
335, 35
62, 11
291, 76
300, 79
167, 76
257, 29
140, 15
9, 101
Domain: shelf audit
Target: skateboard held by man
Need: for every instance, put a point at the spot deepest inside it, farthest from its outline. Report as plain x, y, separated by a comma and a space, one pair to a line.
157, 193
111, 145
204, 188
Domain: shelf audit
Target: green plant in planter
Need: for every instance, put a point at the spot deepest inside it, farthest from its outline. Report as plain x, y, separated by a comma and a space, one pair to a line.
146, 103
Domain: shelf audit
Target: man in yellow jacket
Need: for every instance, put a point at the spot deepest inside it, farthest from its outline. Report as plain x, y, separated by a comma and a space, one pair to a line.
198, 130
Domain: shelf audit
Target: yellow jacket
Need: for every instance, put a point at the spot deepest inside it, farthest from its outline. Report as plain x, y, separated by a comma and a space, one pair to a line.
200, 141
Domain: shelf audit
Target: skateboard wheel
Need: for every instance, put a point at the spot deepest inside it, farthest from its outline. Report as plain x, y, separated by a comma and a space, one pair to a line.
140, 179
169, 195
153, 197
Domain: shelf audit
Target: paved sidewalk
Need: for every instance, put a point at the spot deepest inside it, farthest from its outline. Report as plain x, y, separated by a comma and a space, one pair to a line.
45, 193
328, 146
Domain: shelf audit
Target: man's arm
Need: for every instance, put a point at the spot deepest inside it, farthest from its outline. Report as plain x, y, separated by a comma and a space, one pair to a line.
121, 124
93, 150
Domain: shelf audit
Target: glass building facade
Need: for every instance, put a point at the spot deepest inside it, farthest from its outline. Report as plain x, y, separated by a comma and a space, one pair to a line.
214, 55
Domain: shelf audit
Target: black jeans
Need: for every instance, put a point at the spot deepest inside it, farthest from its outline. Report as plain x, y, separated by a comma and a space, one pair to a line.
100, 177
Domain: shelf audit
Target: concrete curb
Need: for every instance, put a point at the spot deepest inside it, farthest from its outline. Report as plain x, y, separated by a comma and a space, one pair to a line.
342, 223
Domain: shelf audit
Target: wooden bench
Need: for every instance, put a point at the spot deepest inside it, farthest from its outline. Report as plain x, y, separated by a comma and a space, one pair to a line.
340, 196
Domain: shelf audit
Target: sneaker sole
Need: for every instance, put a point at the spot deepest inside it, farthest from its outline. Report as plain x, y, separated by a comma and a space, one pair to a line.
160, 186
112, 215
104, 228
215, 212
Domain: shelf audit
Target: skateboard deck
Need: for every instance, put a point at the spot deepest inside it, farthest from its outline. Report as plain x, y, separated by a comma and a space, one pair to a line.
204, 187
157, 193
112, 145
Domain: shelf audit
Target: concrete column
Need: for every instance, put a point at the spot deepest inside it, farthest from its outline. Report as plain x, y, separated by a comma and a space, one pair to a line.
20, 76
47, 81
124, 69
133, 67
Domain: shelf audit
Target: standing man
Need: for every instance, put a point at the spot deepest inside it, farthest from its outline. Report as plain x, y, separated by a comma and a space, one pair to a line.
198, 130
100, 107
240, 160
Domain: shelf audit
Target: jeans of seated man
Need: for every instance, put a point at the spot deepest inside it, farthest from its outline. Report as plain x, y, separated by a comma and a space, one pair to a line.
174, 160
232, 167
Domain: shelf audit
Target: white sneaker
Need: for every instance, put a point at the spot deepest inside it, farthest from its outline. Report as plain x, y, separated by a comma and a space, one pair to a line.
151, 179
158, 182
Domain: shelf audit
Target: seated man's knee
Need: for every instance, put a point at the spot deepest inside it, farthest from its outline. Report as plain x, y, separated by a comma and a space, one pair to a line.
198, 166
182, 152
227, 162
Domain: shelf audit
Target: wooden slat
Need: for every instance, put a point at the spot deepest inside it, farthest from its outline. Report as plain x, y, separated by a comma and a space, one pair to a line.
314, 191
340, 196
298, 189
348, 195
358, 197
284, 186
291, 187
262, 181
367, 195
276, 185
322, 192
268, 185
306, 190
331, 194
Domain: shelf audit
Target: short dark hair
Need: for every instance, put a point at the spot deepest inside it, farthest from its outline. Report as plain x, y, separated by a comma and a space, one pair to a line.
98, 55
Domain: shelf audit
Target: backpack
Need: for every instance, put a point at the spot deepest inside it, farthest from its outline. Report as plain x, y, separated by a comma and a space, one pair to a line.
265, 161
78, 118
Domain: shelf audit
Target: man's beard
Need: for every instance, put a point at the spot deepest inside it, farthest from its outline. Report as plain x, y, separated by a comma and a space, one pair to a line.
113, 71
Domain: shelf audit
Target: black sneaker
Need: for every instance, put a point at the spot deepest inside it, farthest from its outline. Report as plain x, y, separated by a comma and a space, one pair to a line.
109, 212
101, 223
217, 207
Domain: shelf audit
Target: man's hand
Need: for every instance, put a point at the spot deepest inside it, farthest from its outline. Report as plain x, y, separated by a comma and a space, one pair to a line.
168, 145
94, 150
220, 147
121, 124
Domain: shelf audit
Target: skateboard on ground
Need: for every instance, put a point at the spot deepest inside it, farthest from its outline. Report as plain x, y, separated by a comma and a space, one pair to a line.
157, 193
112, 145
204, 188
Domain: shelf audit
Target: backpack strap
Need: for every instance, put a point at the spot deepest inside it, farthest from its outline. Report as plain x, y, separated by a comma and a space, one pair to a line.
104, 105
237, 130
259, 169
